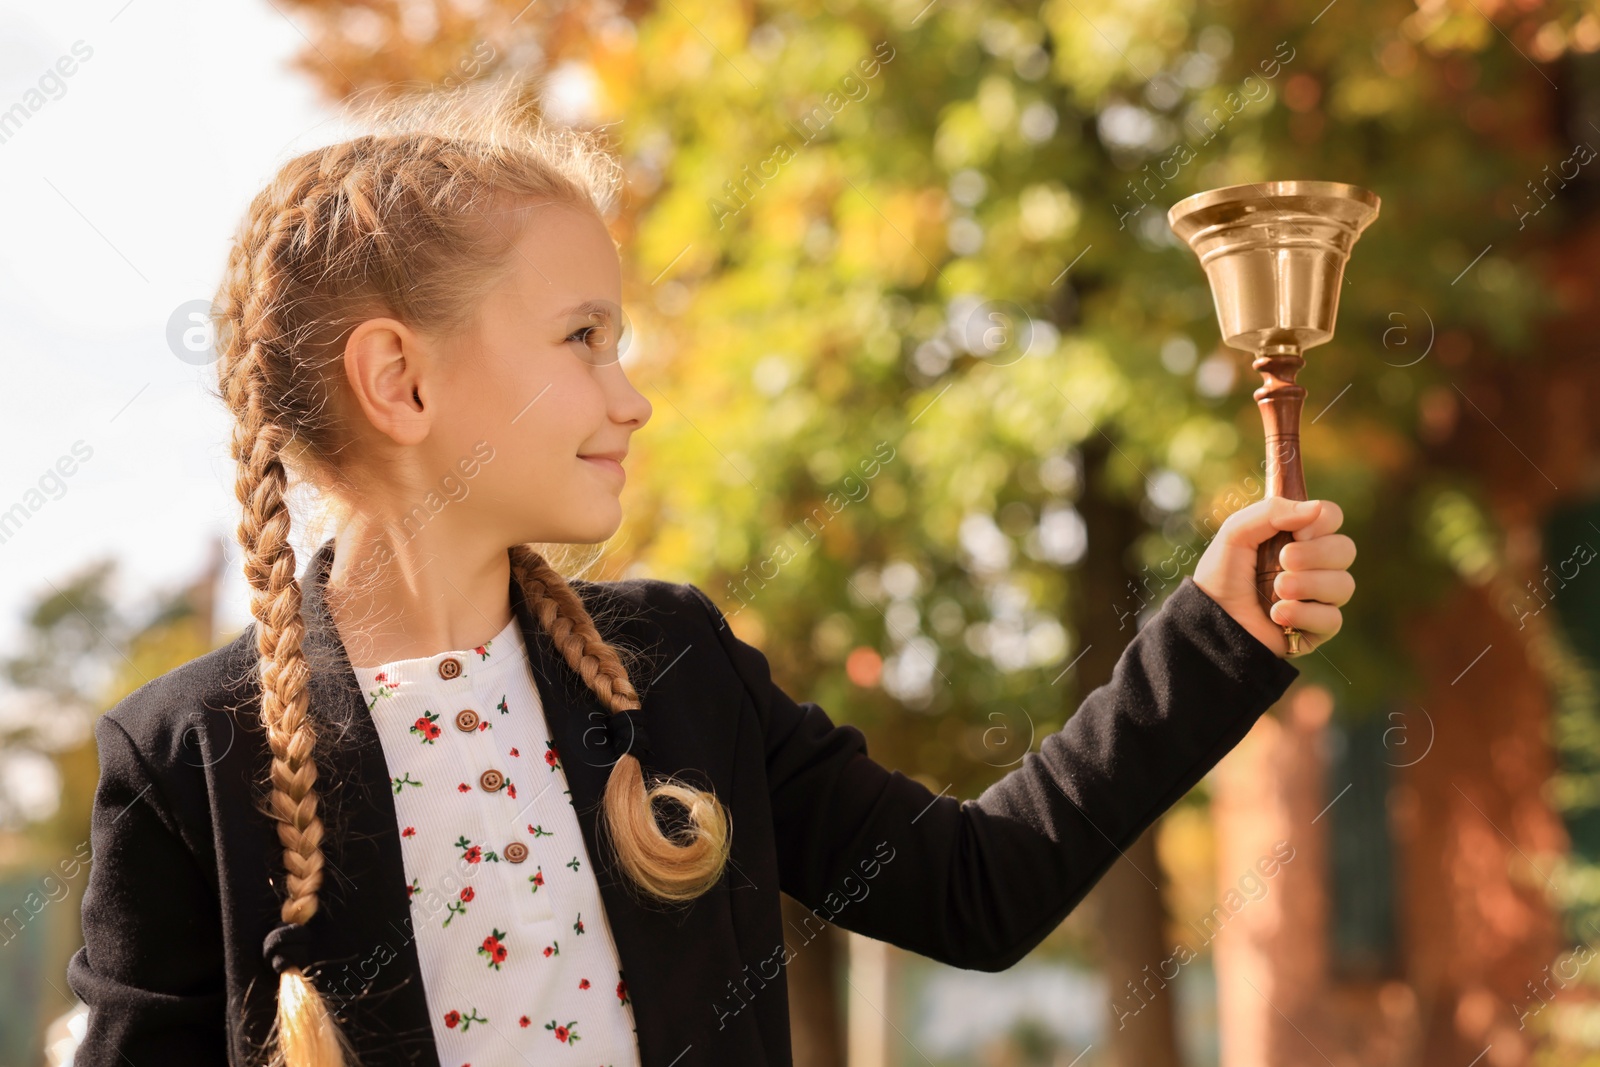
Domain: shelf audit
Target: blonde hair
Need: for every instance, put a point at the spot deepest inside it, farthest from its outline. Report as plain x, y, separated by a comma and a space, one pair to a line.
398, 221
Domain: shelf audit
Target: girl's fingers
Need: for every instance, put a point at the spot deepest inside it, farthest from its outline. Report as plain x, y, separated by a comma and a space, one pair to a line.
1329, 519
1309, 617
1331, 552
1329, 586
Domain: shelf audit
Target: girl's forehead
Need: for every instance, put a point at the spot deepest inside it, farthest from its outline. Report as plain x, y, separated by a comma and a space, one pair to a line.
563, 262
558, 223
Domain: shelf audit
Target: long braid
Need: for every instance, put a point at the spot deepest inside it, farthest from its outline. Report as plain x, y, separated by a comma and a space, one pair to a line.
671, 870
306, 1033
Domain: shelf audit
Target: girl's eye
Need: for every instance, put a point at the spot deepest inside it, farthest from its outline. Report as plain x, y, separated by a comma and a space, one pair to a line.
583, 334
602, 341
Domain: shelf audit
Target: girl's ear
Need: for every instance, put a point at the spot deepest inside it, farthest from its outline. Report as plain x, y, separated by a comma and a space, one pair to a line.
384, 365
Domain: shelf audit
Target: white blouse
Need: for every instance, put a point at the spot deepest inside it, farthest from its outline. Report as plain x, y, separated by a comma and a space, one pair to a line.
517, 957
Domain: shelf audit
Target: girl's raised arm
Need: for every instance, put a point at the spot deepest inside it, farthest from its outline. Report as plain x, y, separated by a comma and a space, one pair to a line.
151, 966
978, 883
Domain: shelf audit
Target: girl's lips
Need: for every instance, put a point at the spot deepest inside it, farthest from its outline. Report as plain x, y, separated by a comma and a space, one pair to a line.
608, 464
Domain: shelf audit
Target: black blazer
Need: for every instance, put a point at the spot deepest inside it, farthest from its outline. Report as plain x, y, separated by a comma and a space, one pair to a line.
181, 889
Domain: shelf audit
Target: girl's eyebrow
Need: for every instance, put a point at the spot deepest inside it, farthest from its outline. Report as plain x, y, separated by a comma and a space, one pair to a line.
588, 309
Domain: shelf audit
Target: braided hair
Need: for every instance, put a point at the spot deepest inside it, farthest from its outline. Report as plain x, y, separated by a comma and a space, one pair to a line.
400, 221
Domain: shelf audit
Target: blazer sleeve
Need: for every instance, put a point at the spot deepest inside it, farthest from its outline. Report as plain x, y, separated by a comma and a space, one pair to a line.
979, 883
151, 966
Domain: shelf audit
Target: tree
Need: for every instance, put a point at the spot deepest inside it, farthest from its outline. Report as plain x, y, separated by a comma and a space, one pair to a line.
896, 270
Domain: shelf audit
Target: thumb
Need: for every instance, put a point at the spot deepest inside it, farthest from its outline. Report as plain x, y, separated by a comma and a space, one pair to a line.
1255, 523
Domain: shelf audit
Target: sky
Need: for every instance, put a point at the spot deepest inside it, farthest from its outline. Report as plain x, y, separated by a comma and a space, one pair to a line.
124, 188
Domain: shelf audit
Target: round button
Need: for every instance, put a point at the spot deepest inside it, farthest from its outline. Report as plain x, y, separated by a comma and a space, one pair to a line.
449, 668
466, 720
491, 780
516, 852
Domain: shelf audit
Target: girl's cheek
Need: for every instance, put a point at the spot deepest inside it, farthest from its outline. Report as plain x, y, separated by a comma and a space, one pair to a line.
587, 396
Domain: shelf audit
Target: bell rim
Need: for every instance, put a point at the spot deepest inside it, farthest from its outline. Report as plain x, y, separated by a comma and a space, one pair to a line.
1296, 192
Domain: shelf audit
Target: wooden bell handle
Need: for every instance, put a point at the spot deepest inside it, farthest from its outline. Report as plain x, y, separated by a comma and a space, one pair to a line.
1281, 402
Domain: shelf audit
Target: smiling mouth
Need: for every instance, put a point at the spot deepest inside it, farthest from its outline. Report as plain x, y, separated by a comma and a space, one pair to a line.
608, 464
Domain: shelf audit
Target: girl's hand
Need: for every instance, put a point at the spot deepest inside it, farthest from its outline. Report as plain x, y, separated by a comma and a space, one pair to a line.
1314, 570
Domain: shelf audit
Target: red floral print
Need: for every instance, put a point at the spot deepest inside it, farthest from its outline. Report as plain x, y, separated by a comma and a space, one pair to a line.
494, 949
384, 689
427, 727
565, 1033
474, 853
452, 1018
459, 907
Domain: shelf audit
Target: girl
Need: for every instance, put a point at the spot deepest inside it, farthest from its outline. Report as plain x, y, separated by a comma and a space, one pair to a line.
440, 805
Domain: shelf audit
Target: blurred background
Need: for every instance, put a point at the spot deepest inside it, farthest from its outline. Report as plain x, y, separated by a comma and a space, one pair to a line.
941, 412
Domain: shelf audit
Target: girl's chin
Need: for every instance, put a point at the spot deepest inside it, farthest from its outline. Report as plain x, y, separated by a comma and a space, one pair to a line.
600, 523
596, 523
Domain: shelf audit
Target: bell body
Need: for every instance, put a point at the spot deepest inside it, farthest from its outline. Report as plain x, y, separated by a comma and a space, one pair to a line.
1274, 253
